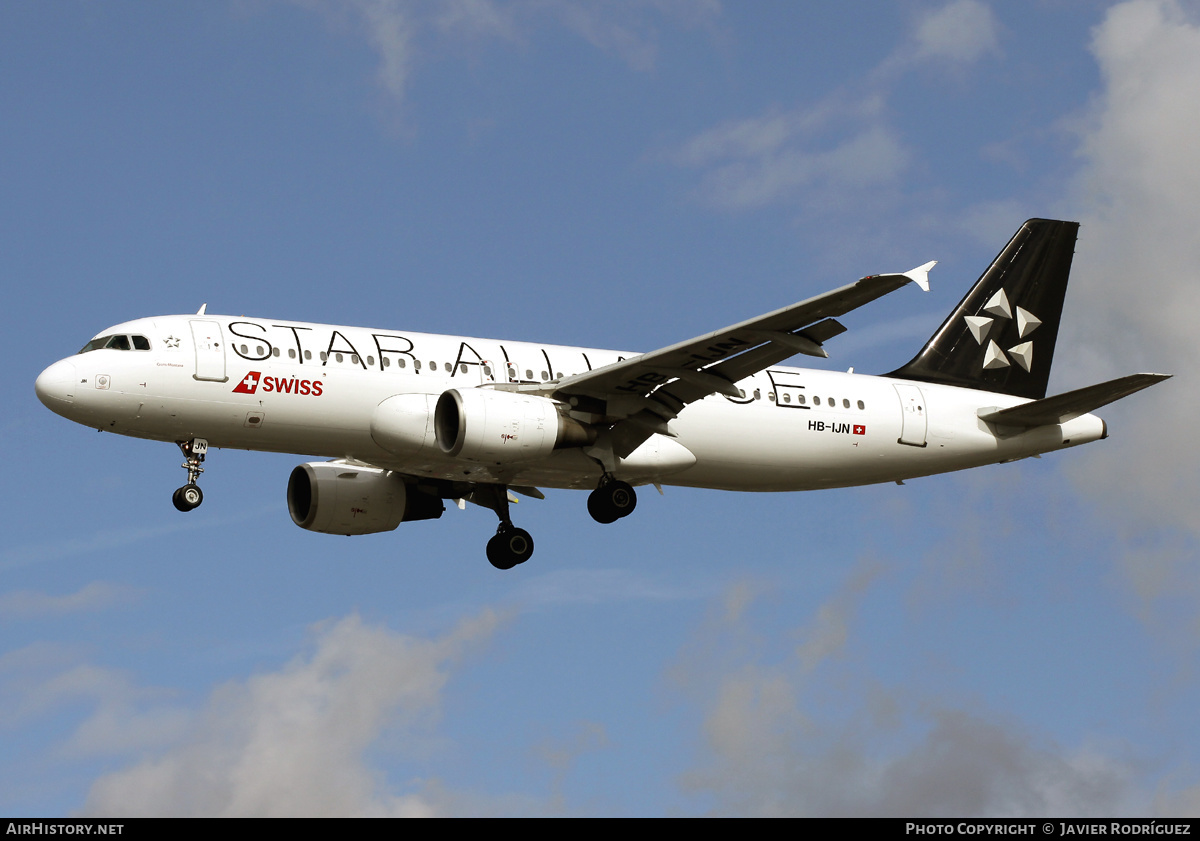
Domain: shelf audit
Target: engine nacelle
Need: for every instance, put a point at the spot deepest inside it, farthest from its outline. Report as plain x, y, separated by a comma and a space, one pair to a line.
502, 427
403, 424
335, 498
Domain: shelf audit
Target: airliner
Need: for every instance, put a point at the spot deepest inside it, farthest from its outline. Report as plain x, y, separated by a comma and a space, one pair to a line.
407, 421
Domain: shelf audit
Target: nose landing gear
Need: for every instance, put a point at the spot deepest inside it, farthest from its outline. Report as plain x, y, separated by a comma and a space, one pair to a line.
190, 496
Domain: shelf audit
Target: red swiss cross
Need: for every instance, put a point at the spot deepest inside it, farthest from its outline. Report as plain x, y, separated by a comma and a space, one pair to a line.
860, 429
248, 385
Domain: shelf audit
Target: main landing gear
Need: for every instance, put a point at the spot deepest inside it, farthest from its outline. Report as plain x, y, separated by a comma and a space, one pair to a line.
510, 546
190, 496
611, 501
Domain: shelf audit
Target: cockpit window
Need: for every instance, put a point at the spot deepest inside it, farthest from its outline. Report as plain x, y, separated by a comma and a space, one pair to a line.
95, 344
117, 343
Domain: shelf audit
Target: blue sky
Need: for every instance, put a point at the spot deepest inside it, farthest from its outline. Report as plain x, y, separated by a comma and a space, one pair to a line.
1016, 640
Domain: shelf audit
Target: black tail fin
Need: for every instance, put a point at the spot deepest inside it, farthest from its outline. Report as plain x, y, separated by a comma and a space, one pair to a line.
1001, 335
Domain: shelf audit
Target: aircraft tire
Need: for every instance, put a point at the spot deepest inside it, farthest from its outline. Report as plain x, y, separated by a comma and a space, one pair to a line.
610, 502
622, 497
509, 547
188, 497
600, 509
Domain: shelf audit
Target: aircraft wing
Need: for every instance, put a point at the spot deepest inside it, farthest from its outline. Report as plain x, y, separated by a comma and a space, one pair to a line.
654, 387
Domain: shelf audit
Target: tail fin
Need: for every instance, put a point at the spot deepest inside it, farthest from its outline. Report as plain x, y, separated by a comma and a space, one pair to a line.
1001, 335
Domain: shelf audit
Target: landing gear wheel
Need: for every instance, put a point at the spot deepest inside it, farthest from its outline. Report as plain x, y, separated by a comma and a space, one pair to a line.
509, 547
612, 501
188, 497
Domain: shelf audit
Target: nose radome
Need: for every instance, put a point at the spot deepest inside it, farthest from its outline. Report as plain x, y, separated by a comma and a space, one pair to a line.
56, 385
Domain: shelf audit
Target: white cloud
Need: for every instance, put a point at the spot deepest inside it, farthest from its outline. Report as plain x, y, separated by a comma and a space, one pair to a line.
97, 542
770, 750
29, 604
843, 149
962, 32
292, 742
41, 678
1136, 288
629, 30
594, 586
390, 30
399, 30
806, 156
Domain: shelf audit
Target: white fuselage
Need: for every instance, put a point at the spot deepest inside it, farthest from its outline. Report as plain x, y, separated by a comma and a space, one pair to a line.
312, 389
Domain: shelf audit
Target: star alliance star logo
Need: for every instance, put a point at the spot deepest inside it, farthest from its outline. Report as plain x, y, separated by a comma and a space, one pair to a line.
981, 326
171, 342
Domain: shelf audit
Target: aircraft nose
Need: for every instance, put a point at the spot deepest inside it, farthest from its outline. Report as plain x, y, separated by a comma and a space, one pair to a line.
55, 386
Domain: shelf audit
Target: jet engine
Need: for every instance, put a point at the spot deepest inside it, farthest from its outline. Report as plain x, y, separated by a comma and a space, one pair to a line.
501, 427
339, 498
403, 424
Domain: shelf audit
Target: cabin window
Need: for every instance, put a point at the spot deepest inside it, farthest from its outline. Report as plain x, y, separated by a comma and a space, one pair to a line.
370, 360
545, 376
141, 343
291, 353
324, 356
832, 403
487, 370
259, 350
308, 354
354, 358
462, 369
558, 376
861, 405
245, 349
449, 368
274, 351
845, 403
816, 400
338, 357
771, 396
787, 398
800, 399
757, 394
416, 364
528, 374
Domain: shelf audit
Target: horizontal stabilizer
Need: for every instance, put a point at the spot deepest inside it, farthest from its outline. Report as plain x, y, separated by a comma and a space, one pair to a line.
1064, 407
